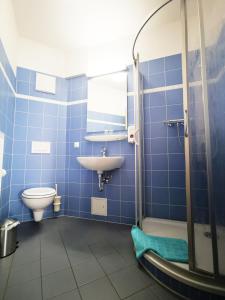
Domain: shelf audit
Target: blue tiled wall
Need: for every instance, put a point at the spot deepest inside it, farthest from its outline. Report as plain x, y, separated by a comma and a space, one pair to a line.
25, 85
77, 88
164, 155
163, 149
37, 121
7, 104
63, 125
83, 184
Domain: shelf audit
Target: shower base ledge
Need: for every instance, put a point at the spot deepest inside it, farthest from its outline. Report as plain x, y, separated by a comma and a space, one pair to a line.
176, 276
182, 281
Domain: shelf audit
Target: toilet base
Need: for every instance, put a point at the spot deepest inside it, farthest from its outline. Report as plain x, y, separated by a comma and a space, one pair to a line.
38, 215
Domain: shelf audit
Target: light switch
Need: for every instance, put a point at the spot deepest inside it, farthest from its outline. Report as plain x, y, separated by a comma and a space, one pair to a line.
76, 145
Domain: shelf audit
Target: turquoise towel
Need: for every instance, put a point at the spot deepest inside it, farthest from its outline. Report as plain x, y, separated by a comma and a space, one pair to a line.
169, 248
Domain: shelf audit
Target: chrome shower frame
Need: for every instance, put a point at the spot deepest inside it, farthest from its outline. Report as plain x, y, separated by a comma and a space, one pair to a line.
217, 286
139, 144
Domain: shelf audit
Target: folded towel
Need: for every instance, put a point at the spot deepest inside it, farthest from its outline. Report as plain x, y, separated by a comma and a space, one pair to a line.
169, 248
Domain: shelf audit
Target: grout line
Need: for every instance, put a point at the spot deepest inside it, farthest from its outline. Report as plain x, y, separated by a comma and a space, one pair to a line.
59, 232
119, 270
42, 294
7, 280
106, 275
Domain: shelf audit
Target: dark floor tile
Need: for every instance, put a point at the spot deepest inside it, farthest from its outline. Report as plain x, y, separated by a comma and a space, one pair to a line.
123, 244
5, 264
52, 244
73, 295
25, 291
100, 289
79, 254
130, 280
29, 243
54, 263
87, 272
27, 252
129, 258
29, 230
52, 238
58, 283
3, 283
145, 294
101, 249
51, 250
162, 293
112, 262
24, 273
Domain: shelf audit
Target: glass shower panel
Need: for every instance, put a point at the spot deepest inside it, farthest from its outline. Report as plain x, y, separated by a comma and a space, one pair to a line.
203, 258
214, 35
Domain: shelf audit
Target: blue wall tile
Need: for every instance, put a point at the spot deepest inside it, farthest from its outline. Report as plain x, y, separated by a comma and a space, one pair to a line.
173, 62
63, 126
173, 77
156, 66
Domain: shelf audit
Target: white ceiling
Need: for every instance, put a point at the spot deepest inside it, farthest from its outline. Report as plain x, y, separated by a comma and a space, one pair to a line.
72, 24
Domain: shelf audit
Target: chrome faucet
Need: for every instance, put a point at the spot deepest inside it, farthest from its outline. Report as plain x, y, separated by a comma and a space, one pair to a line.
103, 151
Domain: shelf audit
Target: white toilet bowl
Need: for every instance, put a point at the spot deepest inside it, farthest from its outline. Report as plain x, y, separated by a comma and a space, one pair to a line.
38, 199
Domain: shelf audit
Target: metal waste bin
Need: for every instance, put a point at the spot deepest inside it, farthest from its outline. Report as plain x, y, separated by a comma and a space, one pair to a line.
8, 237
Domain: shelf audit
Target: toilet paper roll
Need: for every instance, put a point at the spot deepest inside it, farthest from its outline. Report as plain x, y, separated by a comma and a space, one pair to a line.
57, 200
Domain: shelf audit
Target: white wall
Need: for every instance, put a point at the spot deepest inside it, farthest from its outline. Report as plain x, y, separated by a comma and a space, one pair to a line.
39, 57
8, 31
99, 60
155, 42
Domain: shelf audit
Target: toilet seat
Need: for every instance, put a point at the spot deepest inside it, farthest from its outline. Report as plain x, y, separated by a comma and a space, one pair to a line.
37, 193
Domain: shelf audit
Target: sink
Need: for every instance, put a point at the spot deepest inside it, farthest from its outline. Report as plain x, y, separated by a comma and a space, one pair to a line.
101, 163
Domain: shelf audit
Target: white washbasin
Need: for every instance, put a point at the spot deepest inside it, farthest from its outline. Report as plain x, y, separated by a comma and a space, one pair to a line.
101, 163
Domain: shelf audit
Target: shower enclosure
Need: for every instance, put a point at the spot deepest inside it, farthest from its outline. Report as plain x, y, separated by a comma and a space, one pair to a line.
203, 74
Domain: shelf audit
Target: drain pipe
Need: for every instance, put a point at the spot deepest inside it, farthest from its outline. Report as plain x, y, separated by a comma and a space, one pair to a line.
100, 182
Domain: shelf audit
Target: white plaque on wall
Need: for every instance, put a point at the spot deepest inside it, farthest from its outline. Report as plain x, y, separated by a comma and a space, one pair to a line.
40, 147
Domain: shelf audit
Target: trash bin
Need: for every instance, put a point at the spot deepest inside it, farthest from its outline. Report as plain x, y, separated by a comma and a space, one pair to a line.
8, 237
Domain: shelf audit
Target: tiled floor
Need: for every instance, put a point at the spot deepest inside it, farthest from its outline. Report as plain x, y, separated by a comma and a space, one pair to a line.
67, 258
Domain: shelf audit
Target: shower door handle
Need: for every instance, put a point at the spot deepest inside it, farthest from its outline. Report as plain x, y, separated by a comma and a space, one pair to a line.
186, 124
186, 130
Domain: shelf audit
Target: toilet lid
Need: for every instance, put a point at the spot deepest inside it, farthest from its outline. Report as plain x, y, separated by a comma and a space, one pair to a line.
39, 192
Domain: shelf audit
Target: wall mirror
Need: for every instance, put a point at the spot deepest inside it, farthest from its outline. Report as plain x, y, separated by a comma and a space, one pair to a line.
107, 103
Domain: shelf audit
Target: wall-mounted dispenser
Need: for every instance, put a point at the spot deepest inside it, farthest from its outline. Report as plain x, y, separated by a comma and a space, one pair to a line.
131, 134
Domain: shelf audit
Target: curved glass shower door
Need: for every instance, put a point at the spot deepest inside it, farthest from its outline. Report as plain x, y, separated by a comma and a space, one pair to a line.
197, 143
213, 32
206, 81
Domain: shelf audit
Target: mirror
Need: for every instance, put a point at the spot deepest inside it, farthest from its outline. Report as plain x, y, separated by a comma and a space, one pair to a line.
107, 103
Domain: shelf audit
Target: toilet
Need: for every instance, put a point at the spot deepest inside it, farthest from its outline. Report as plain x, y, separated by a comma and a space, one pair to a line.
38, 199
